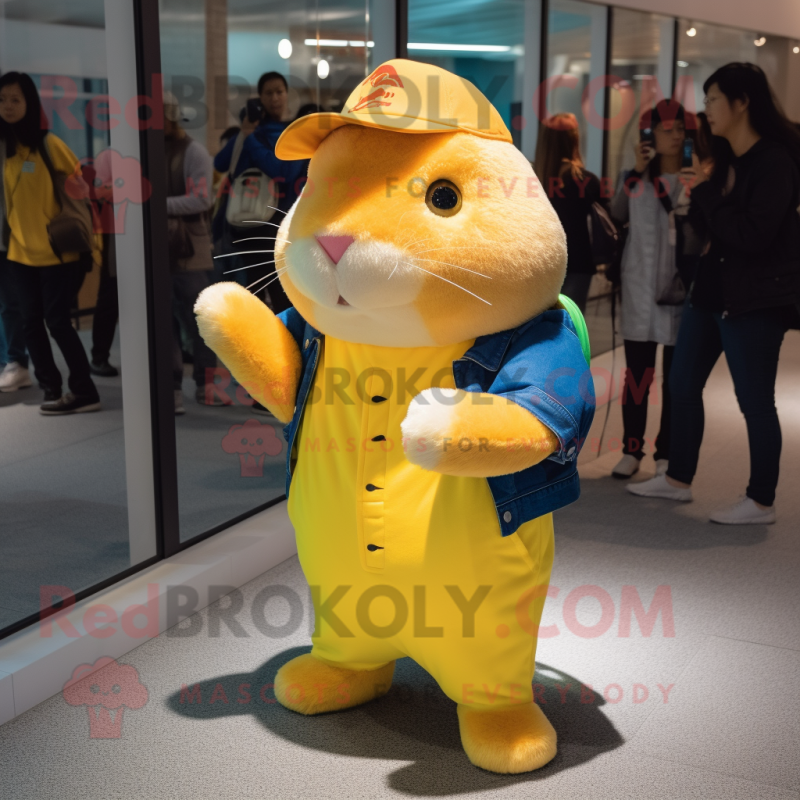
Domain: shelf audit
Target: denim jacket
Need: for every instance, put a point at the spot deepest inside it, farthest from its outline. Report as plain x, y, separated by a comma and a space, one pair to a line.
541, 366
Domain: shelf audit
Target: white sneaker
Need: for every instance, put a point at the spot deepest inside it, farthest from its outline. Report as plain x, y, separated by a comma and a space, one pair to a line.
658, 487
14, 376
628, 465
661, 466
179, 409
745, 512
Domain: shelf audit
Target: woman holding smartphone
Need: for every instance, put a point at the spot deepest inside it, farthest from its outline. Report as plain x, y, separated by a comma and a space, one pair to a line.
746, 288
643, 197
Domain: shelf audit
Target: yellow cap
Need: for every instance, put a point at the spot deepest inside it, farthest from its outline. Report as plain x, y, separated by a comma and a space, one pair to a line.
405, 97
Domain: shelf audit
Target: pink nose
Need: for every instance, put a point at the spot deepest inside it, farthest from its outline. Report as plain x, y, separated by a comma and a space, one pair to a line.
335, 246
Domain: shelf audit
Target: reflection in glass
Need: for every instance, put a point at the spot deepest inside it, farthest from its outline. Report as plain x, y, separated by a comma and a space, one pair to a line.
64, 516
231, 452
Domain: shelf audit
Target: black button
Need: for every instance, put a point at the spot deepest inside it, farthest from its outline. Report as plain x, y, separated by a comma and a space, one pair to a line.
380, 438
378, 399
373, 547
370, 487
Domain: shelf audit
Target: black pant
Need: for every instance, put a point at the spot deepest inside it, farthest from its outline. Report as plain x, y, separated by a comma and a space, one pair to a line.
186, 286
752, 344
106, 314
641, 361
10, 320
45, 294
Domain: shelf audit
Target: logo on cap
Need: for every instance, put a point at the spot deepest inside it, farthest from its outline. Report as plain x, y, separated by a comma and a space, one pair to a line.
383, 76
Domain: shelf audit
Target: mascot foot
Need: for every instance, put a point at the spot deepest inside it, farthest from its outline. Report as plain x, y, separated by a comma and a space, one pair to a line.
509, 739
311, 686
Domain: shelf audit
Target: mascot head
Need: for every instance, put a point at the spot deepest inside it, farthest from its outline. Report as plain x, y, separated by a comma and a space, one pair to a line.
420, 223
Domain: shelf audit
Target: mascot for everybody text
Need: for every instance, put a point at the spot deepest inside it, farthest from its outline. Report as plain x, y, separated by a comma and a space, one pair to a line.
436, 392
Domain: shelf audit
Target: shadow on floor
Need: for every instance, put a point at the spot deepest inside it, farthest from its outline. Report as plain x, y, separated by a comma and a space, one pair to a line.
414, 722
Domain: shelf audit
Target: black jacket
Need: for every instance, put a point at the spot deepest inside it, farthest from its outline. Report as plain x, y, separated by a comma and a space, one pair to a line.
572, 203
754, 257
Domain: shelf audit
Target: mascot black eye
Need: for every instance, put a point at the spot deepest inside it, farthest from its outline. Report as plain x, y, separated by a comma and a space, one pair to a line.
443, 198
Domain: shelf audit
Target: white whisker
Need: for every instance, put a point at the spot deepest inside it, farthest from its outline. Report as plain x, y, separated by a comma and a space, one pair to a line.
252, 238
261, 221
436, 261
239, 269
244, 253
272, 277
450, 282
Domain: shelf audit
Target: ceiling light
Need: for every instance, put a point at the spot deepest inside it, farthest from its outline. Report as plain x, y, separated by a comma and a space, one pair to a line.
323, 68
337, 43
760, 42
284, 48
796, 49
691, 32
683, 64
468, 48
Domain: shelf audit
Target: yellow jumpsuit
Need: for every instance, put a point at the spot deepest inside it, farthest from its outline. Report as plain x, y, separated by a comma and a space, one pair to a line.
399, 536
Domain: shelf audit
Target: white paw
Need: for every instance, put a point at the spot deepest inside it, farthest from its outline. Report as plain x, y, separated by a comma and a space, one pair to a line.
427, 425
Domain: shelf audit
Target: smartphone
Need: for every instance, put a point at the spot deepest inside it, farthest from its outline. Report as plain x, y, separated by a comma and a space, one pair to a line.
254, 109
688, 152
647, 135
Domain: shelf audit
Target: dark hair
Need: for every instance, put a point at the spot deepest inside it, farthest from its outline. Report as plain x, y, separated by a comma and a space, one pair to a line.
32, 128
745, 81
666, 110
271, 76
558, 145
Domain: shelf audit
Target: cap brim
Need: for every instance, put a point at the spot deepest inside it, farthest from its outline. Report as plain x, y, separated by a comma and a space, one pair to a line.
302, 138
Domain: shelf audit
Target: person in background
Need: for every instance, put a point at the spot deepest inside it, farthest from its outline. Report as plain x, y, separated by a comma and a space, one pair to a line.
648, 266
13, 356
746, 288
258, 150
219, 202
572, 190
43, 284
189, 168
106, 310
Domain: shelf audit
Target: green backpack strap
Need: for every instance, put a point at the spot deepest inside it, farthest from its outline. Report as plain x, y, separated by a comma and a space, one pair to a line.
580, 324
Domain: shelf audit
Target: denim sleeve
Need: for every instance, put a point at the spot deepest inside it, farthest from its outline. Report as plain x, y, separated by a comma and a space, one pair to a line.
294, 323
545, 372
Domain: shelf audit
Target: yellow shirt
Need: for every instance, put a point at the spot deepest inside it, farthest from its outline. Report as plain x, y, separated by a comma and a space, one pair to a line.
31, 202
366, 517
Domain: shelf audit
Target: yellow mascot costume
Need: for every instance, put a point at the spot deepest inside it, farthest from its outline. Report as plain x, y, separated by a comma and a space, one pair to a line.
436, 393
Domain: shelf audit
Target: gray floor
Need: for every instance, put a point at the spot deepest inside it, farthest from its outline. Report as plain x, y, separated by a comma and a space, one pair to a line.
729, 729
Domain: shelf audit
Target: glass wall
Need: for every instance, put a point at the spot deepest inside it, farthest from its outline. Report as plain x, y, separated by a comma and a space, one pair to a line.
641, 70
576, 33
76, 500
485, 46
230, 450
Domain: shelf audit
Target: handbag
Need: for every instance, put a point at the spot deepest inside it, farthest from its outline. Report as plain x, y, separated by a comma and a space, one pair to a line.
604, 236
674, 292
71, 230
253, 194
